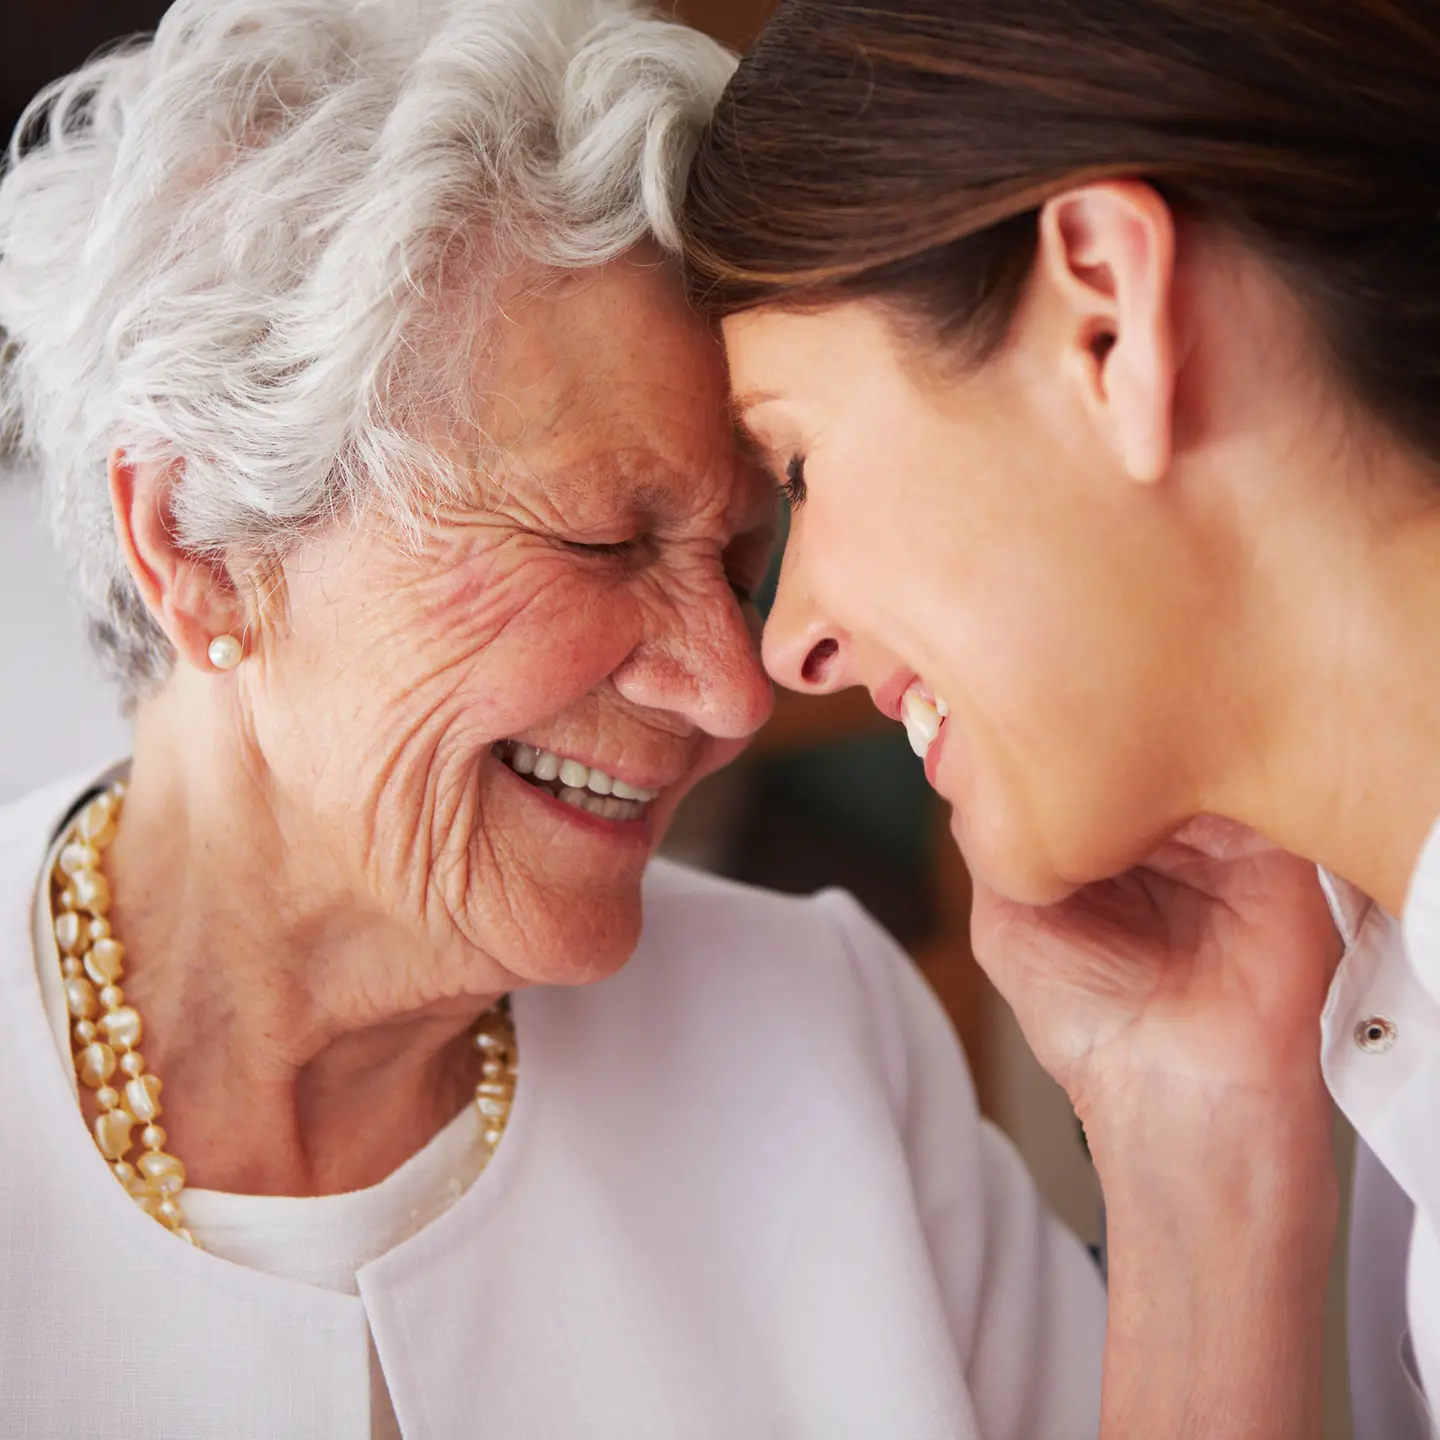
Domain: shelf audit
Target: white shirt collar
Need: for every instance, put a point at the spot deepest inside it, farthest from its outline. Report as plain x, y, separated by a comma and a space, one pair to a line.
1421, 923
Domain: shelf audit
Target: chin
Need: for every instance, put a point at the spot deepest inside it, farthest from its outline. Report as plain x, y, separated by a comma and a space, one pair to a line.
1000, 860
578, 935
1021, 885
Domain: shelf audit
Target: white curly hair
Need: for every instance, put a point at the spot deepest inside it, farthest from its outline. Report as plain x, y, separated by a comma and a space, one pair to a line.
236, 248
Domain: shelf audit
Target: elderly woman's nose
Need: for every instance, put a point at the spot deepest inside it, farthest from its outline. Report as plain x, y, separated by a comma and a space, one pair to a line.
704, 667
803, 650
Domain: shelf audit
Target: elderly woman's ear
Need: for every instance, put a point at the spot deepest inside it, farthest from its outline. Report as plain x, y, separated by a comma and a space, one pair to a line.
192, 596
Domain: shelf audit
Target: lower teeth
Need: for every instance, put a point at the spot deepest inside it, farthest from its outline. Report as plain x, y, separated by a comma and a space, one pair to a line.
602, 806
605, 808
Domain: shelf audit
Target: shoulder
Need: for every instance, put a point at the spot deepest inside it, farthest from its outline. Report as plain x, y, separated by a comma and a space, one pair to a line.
689, 914
678, 893
817, 966
799, 1010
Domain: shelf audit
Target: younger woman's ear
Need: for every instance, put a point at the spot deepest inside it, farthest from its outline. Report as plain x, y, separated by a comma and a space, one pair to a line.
192, 598
1107, 252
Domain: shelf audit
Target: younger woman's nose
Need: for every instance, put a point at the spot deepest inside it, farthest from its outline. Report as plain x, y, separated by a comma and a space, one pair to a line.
802, 650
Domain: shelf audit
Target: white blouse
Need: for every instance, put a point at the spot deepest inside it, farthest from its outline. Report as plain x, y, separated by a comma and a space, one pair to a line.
327, 1240
744, 1192
1381, 1038
323, 1240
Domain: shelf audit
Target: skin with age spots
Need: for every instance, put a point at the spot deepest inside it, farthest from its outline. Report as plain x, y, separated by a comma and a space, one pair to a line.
324, 871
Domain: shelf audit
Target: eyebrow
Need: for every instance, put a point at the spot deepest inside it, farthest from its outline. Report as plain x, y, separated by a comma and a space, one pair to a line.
654, 498
744, 400
649, 500
752, 450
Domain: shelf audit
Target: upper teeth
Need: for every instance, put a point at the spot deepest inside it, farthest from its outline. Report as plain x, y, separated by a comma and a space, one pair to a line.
922, 720
545, 765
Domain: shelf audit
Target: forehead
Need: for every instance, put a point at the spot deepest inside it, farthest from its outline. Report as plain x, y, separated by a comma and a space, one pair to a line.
607, 386
834, 369
813, 354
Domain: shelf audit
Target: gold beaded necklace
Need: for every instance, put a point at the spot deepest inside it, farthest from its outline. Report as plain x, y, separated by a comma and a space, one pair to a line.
106, 1032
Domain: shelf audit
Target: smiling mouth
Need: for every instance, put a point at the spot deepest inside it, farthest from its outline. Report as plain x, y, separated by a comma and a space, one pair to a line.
574, 783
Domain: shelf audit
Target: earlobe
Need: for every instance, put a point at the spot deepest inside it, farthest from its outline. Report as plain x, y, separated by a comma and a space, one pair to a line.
1108, 250
192, 598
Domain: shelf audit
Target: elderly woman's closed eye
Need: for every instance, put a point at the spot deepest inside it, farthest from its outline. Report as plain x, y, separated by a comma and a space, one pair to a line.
399, 483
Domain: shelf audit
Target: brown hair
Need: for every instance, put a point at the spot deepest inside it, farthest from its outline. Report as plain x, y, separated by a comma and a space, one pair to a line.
901, 149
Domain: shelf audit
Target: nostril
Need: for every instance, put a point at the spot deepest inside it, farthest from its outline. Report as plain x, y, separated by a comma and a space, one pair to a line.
816, 662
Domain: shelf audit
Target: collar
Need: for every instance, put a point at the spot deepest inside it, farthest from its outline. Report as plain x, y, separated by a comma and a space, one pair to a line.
1422, 917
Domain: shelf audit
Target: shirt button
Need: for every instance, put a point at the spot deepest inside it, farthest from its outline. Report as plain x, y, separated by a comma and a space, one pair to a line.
1375, 1034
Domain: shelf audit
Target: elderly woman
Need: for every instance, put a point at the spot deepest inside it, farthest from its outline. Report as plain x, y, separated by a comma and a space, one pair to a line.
399, 485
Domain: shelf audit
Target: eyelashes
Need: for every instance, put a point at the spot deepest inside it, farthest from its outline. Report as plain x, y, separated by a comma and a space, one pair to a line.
793, 485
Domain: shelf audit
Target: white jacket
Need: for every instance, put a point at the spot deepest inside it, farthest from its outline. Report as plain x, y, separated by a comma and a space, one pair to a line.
745, 1193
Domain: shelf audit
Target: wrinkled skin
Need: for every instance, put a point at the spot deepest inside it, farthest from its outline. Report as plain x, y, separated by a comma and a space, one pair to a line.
349, 874
640, 661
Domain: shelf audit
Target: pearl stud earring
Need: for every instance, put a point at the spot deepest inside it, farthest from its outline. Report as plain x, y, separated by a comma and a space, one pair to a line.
226, 652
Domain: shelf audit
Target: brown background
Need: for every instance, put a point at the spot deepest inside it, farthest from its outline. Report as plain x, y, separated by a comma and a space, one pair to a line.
42, 39
733, 21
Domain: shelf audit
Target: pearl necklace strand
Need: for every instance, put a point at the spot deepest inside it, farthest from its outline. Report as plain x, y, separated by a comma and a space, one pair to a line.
106, 1032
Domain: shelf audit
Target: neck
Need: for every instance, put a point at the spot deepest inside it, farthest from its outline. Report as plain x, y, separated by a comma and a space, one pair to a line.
1338, 758
308, 1044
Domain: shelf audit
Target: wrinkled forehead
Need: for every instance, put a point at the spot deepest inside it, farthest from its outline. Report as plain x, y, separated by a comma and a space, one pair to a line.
610, 390
580, 474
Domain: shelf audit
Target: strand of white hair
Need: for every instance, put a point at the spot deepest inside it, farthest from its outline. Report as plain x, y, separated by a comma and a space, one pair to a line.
259, 247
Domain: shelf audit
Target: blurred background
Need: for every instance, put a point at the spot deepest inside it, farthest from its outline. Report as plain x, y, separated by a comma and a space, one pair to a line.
829, 794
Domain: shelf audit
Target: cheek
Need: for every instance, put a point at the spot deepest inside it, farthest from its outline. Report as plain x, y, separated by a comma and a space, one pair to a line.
879, 534
1051, 623
1065, 757
527, 637
973, 570
476, 649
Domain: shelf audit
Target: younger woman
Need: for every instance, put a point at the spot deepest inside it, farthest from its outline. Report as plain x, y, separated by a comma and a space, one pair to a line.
1098, 347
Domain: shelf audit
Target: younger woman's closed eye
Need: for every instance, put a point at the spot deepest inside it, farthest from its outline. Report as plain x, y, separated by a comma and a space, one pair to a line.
793, 485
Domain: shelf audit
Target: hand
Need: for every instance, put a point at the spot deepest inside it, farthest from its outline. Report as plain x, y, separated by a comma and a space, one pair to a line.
1203, 971
1179, 1007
